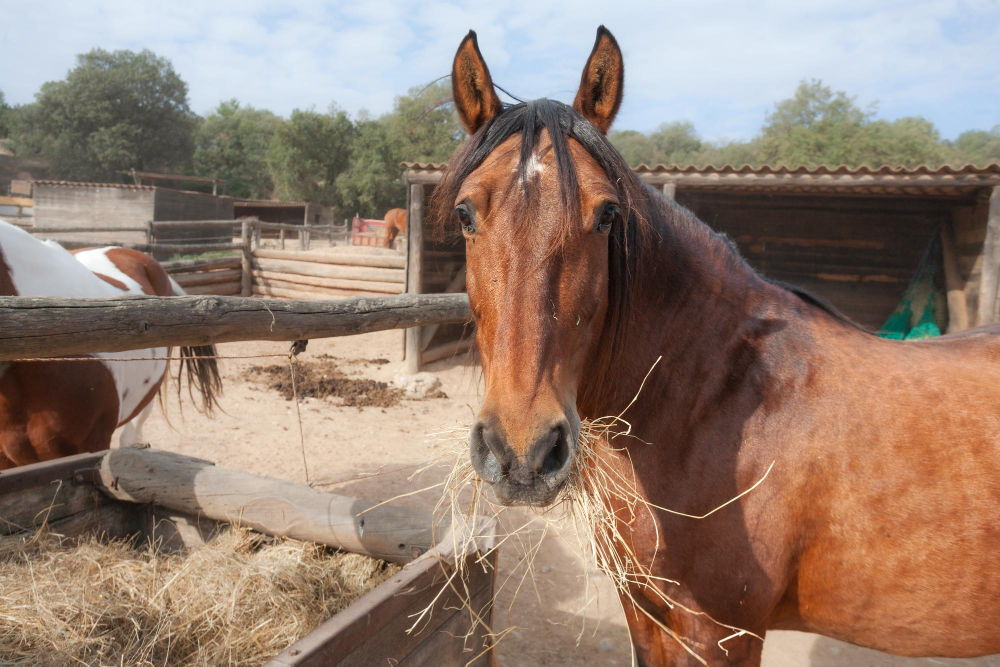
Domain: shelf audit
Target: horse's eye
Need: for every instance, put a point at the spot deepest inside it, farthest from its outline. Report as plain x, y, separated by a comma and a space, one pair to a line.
608, 217
465, 219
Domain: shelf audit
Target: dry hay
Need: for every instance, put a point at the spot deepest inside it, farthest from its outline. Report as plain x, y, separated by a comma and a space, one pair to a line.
601, 500
238, 600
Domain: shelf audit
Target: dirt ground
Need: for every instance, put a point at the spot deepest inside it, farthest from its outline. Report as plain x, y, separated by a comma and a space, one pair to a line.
566, 614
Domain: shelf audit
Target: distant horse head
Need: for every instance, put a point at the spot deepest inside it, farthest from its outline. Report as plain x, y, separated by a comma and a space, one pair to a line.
552, 216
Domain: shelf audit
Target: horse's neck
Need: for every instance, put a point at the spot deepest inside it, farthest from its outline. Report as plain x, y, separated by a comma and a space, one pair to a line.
695, 297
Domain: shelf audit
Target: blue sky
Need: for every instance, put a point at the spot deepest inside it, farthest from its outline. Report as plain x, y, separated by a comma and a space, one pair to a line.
721, 65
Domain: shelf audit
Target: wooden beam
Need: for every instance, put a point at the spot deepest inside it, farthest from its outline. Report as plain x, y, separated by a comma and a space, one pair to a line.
191, 265
457, 284
83, 230
186, 280
19, 202
57, 326
670, 190
246, 233
272, 506
958, 313
178, 248
414, 268
338, 283
345, 271
988, 285
383, 261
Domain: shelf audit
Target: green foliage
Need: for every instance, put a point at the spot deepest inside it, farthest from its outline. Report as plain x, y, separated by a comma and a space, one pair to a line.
114, 111
4, 117
307, 153
422, 127
232, 143
979, 146
816, 126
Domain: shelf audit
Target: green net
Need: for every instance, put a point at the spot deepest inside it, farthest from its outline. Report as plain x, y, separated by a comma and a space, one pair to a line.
916, 316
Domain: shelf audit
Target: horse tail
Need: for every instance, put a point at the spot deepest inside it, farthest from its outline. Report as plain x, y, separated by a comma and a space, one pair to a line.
200, 365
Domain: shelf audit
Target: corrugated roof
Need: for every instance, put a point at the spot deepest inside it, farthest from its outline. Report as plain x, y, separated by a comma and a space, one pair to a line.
963, 181
842, 170
77, 184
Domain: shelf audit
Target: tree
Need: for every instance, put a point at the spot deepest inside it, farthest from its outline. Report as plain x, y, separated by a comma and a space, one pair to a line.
232, 143
978, 147
115, 111
4, 117
422, 127
307, 154
815, 126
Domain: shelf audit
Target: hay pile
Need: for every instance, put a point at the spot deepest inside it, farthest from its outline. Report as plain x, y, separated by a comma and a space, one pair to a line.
239, 600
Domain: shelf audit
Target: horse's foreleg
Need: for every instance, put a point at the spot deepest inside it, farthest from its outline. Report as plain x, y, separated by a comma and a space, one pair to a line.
674, 638
132, 431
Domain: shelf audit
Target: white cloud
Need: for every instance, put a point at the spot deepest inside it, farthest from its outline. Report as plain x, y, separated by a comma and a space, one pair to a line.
718, 64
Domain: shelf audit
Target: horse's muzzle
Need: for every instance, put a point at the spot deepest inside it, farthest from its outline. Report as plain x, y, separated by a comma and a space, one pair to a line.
532, 478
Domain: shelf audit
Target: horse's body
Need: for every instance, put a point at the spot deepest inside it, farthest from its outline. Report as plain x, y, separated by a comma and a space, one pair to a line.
54, 409
877, 524
395, 224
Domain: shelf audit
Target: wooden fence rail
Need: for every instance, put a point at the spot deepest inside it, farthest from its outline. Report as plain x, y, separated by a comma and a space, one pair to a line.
55, 326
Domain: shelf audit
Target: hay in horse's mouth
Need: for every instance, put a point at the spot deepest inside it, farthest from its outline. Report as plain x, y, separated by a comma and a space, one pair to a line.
601, 494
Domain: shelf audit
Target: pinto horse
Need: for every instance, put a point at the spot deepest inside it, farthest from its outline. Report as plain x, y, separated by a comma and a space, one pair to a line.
395, 224
54, 409
877, 525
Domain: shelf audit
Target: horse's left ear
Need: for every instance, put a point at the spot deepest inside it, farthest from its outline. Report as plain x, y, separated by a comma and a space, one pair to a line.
602, 83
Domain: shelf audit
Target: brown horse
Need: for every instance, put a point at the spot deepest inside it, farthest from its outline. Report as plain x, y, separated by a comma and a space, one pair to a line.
395, 224
878, 524
53, 409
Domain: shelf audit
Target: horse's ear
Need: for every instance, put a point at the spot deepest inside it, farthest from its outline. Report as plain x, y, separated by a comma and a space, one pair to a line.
471, 86
602, 83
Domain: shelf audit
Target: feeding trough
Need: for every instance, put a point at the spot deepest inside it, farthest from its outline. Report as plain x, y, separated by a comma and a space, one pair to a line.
180, 502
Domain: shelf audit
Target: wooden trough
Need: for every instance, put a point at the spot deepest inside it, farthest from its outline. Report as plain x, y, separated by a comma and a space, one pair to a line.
125, 492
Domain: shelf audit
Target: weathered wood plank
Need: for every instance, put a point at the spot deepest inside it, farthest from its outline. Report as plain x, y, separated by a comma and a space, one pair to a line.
181, 266
54, 326
372, 630
384, 261
30, 508
208, 277
272, 506
348, 272
414, 269
958, 312
304, 293
45, 472
988, 286
231, 288
183, 248
263, 278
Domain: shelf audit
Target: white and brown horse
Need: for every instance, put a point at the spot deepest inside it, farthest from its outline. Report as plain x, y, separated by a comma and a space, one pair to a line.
53, 409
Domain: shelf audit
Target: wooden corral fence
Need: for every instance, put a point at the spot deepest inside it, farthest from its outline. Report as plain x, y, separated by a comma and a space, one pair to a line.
56, 326
180, 502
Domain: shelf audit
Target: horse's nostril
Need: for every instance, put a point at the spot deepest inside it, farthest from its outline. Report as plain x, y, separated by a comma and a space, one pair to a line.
557, 456
487, 453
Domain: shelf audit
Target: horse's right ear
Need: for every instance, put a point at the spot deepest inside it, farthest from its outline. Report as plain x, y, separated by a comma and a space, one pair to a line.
471, 86
602, 82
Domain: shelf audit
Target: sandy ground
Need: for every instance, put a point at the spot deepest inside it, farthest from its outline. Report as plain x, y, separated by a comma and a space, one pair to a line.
371, 452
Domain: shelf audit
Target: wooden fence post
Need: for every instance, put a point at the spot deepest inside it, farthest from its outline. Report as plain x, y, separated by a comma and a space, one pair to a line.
281, 237
670, 190
414, 269
256, 236
150, 235
991, 263
245, 234
958, 314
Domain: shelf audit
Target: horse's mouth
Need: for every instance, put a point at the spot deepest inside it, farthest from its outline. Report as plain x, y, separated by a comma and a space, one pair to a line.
542, 493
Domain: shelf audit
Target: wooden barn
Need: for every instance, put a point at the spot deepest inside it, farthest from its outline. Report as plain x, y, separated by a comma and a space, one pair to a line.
854, 236
288, 212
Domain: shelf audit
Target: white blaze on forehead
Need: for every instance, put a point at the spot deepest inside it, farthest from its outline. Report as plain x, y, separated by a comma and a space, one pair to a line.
533, 167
